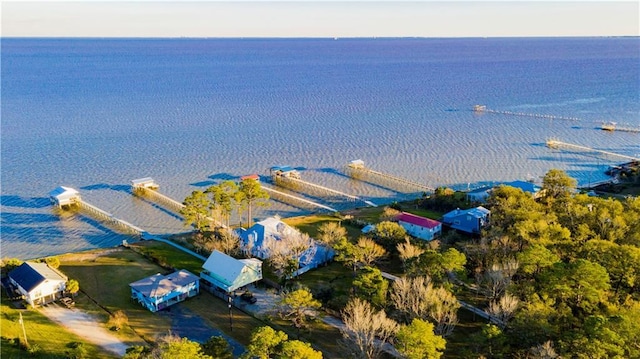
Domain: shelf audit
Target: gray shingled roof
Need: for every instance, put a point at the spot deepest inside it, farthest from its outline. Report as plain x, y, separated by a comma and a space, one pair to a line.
158, 285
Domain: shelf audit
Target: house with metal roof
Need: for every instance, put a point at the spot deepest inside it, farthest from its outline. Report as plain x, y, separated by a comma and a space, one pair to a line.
159, 291
144, 183
258, 236
64, 196
227, 274
479, 195
419, 227
526, 187
38, 283
467, 220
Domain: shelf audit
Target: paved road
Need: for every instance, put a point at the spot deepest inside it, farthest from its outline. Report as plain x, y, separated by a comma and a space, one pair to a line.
186, 324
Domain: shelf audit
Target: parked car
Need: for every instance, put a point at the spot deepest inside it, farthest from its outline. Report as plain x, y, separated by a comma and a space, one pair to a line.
248, 297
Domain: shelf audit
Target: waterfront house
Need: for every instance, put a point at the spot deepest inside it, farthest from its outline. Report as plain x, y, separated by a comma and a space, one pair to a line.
38, 283
258, 237
526, 187
479, 195
64, 196
467, 220
227, 274
160, 291
419, 227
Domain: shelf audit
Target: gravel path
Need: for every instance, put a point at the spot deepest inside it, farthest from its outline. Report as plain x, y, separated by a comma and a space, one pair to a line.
86, 327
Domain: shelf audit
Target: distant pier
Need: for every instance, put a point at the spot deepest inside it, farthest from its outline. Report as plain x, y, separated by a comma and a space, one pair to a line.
289, 178
295, 200
357, 169
484, 109
612, 126
555, 144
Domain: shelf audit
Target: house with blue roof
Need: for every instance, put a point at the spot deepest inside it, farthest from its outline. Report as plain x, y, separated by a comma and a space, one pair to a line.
159, 291
481, 194
227, 274
526, 187
38, 283
467, 220
257, 240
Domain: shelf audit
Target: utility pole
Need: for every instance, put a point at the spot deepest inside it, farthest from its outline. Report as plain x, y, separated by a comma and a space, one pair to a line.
230, 313
24, 332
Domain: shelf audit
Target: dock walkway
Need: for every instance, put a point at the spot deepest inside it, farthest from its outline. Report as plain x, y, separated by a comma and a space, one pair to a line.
357, 170
295, 199
292, 182
555, 144
152, 193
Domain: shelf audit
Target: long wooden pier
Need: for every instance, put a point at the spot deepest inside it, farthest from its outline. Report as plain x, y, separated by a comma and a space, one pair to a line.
555, 144
110, 219
149, 188
484, 109
357, 169
156, 196
295, 199
294, 182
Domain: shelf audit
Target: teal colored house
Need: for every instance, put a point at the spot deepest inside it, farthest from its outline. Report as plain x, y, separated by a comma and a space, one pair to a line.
467, 220
227, 274
159, 291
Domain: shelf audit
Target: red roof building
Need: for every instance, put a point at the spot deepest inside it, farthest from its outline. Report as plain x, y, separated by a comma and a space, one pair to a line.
253, 177
419, 227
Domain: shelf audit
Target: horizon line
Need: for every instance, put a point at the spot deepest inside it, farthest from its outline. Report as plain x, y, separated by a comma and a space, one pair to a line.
323, 37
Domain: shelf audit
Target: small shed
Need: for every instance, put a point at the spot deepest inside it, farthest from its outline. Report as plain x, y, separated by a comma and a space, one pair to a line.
144, 183
228, 274
64, 196
159, 291
38, 283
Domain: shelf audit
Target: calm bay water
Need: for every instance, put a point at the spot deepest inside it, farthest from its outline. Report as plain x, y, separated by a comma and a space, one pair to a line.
94, 114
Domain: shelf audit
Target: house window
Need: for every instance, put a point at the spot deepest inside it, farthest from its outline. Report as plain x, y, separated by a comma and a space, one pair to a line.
456, 222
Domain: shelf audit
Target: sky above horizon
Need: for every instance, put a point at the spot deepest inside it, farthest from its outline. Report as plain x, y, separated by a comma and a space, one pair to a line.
319, 18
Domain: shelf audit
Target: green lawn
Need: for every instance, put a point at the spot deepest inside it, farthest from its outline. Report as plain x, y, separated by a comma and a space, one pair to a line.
106, 280
50, 337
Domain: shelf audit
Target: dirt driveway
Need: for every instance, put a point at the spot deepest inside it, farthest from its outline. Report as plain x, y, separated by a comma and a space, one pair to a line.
85, 326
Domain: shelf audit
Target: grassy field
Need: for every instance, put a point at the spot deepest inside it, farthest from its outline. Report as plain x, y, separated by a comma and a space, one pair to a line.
105, 279
51, 338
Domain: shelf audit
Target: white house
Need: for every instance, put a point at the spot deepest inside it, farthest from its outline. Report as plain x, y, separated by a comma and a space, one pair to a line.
419, 227
228, 274
38, 283
159, 291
